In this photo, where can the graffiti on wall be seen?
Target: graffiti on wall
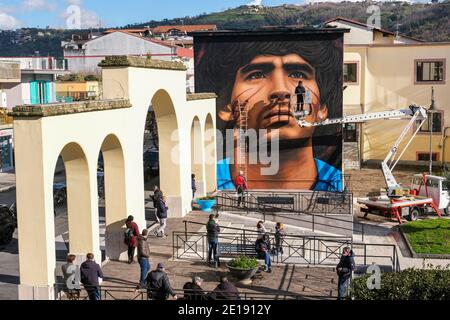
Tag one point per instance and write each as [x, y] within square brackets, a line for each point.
[263, 84]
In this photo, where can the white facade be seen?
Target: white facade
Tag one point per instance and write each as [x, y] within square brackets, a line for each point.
[86, 59]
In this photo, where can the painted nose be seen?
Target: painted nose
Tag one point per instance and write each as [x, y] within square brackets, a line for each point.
[280, 95]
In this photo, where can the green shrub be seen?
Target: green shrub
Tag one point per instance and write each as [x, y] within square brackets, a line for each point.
[244, 262]
[409, 284]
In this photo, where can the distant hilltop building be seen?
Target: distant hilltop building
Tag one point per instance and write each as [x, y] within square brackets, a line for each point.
[255, 3]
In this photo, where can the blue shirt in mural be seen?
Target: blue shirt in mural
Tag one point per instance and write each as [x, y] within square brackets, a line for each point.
[329, 178]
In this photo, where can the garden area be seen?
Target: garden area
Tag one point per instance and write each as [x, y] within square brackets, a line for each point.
[409, 284]
[431, 236]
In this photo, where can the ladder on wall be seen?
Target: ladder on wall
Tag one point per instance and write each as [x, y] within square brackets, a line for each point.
[242, 138]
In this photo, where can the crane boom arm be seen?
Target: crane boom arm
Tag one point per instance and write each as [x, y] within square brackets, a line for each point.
[417, 113]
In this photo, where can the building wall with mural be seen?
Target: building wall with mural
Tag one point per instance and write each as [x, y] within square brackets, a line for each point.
[263, 79]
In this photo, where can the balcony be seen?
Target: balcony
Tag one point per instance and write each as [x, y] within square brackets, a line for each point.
[39, 64]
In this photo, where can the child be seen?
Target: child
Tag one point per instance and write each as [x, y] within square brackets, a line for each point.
[279, 236]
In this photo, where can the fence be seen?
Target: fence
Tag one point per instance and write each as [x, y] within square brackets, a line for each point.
[323, 202]
[297, 249]
[342, 224]
[131, 293]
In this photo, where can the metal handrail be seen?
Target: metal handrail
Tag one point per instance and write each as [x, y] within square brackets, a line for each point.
[248, 235]
[313, 221]
[110, 291]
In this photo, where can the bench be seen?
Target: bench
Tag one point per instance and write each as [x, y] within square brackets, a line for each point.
[271, 201]
[236, 249]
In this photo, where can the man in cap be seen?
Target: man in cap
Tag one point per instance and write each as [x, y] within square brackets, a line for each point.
[193, 289]
[158, 284]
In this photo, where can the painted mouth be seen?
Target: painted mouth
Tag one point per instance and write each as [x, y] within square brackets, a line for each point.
[274, 113]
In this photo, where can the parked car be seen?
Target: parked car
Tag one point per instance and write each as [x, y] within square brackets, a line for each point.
[59, 194]
[8, 224]
[151, 163]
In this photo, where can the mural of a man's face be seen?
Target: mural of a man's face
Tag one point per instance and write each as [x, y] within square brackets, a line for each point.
[268, 82]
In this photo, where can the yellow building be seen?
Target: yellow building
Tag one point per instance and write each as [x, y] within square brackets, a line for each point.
[385, 71]
[67, 91]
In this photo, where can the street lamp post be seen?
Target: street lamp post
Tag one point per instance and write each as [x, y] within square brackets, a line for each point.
[431, 112]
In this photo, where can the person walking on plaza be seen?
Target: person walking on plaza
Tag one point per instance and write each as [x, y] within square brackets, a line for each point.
[261, 229]
[156, 195]
[262, 248]
[161, 212]
[300, 93]
[193, 290]
[131, 234]
[225, 290]
[90, 274]
[143, 253]
[241, 187]
[193, 186]
[213, 230]
[71, 283]
[279, 237]
[344, 270]
[158, 284]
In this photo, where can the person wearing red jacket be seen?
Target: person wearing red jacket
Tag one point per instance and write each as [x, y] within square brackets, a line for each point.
[241, 187]
[131, 234]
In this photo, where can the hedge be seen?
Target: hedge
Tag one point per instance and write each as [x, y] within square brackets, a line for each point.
[409, 284]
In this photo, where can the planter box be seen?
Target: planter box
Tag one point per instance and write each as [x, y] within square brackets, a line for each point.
[243, 275]
[206, 205]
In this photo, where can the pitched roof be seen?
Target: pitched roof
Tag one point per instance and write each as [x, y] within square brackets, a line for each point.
[369, 27]
[185, 28]
[181, 52]
[126, 30]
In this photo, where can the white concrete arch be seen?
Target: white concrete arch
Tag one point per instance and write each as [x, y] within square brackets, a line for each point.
[115, 197]
[80, 131]
[210, 136]
[198, 156]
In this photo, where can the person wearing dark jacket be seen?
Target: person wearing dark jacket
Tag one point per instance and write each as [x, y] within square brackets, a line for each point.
[213, 230]
[90, 272]
[344, 270]
[193, 186]
[157, 194]
[131, 234]
[225, 291]
[161, 213]
[262, 248]
[193, 290]
[143, 252]
[300, 93]
[158, 284]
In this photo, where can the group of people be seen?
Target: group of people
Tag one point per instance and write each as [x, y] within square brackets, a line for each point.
[132, 233]
[91, 276]
[225, 290]
[263, 246]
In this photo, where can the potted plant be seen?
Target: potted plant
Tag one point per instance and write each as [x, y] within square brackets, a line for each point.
[243, 268]
[206, 203]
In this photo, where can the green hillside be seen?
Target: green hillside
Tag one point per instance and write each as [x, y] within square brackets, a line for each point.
[429, 22]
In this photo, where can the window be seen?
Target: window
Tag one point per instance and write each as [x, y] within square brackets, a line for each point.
[430, 71]
[425, 156]
[351, 72]
[350, 132]
[437, 123]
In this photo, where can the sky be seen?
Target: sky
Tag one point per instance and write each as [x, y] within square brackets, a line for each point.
[112, 13]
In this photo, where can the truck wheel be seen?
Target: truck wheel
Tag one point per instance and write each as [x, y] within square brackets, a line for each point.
[447, 210]
[413, 214]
